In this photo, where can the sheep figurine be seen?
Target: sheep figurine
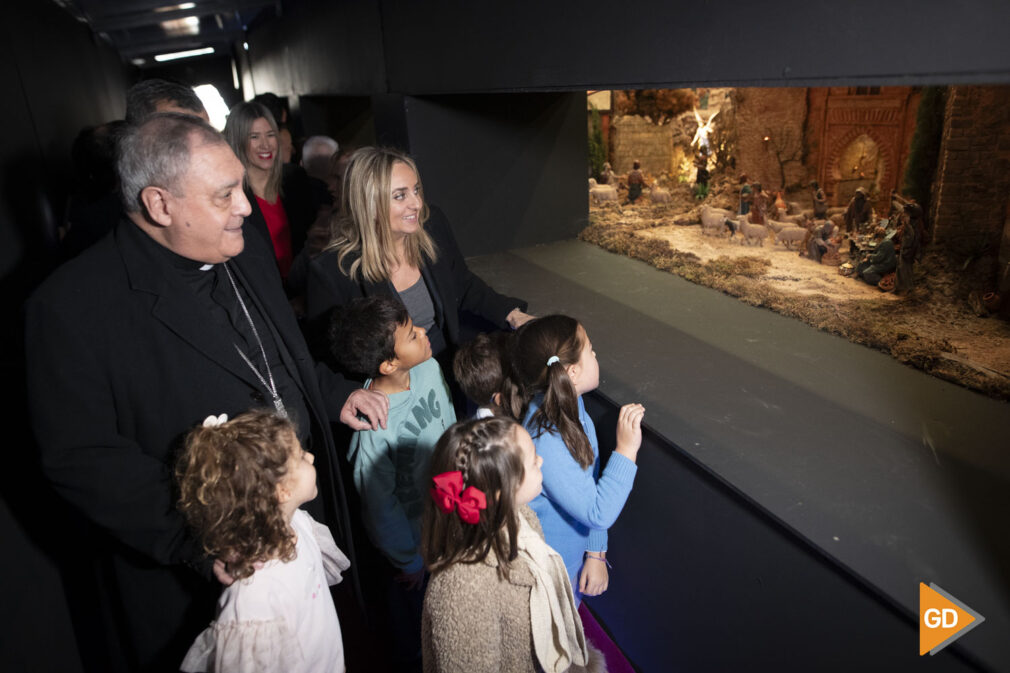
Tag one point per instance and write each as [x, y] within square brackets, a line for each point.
[776, 225]
[713, 220]
[789, 235]
[752, 232]
[659, 195]
[601, 193]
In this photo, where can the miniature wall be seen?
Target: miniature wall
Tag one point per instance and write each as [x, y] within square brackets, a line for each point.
[778, 114]
[634, 137]
[973, 178]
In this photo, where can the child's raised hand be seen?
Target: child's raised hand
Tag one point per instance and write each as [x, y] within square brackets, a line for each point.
[629, 430]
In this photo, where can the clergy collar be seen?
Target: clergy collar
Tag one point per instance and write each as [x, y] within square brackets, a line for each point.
[184, 263]
[176, 260]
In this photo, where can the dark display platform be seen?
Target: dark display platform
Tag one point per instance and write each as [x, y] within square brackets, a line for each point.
[895, 477]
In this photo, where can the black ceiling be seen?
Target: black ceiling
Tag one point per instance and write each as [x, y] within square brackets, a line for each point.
[141, 29]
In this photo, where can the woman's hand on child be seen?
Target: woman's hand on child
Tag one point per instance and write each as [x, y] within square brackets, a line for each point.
[629, 430]
[221, 573]
[594, 577]
[517, 318]
[370, 403]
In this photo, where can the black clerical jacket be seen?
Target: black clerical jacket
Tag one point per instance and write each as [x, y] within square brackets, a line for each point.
[121, 364]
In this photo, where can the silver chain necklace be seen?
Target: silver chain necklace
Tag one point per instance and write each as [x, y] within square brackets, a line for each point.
[269, 385]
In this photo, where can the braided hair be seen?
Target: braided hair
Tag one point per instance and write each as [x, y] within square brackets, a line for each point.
[487, 454]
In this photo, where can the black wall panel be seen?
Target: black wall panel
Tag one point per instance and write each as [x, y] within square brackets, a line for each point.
[56, 79]
[19, 155]
[347, 119]
[318, 47]
[508, 170]
[69, 81]
[447, 46]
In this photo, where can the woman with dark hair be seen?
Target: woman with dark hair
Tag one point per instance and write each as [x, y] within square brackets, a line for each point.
[553, 367]
[386, 240]
[283, 207]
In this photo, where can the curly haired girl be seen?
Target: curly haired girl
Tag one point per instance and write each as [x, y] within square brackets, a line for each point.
[241, 485]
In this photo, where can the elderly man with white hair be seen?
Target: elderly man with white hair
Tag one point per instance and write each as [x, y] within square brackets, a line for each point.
[316, 153]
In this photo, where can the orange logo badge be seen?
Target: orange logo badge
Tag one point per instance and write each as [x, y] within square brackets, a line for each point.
[942, 619]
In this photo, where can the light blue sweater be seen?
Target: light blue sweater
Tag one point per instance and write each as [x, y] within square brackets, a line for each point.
[578, 505]
[391, 465]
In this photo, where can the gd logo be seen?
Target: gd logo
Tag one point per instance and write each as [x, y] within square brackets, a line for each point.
[942, 619]
[933, 618]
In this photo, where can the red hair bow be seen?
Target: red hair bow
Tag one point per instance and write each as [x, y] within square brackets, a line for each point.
[448, 495]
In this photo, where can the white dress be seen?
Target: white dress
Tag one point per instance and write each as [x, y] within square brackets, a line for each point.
[282, 618]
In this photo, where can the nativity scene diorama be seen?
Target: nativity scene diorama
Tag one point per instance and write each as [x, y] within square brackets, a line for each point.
[881, 214]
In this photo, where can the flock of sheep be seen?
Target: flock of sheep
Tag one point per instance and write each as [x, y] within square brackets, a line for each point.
[787, 229]
[791, 229]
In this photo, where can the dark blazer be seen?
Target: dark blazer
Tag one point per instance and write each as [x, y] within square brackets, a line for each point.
[120, 366]
[453, 287]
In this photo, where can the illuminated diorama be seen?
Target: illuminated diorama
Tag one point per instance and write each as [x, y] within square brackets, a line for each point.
[875, 213]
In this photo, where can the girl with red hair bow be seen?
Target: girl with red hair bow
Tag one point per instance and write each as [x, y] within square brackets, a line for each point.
[499, 598]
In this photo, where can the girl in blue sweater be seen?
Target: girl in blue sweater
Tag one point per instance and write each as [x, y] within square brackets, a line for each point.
[553, 366]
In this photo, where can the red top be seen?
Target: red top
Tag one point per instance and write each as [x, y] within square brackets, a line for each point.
[280, 233]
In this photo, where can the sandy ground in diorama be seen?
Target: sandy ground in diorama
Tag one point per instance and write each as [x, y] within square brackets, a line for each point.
[956, 343]
[788, 272]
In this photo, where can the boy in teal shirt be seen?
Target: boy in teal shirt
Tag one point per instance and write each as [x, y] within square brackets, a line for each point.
[375, 337]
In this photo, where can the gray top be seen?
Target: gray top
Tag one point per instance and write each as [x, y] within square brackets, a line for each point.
[417, 299]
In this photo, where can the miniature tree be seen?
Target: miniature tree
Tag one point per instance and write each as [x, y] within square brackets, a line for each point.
[924, 151]
[787, 147]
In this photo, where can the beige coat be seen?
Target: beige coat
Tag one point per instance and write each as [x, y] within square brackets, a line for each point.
[473, 621]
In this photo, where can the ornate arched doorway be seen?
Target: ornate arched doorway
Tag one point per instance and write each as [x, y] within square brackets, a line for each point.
[860, 164]
[859, 157]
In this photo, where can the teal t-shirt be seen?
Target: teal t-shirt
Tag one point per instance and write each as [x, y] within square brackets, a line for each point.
[391, 464]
